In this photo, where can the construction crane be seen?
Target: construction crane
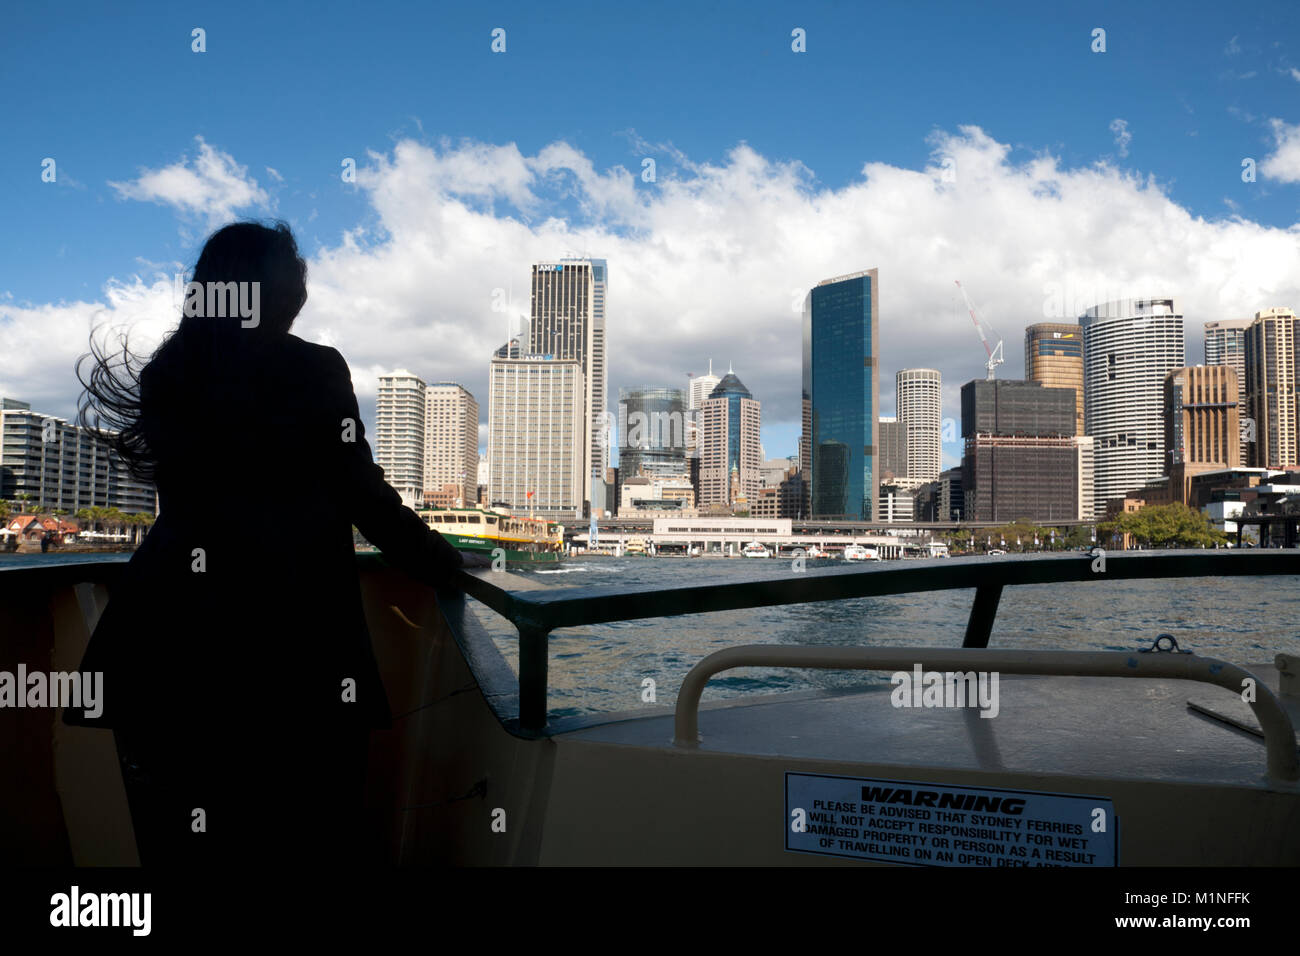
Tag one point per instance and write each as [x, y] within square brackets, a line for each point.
[994, 353]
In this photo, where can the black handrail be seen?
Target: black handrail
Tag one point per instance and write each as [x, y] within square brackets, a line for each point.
[536, 613]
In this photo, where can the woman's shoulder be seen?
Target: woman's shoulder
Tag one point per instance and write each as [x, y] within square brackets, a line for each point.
[312, 351]
[313, 362]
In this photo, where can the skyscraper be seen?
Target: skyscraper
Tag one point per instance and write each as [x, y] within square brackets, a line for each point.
[920, 408]
[730, 421]
[451, 442]
[1202, 430]
[892, 435]
[1054, 357]
[537, 436]
[841, 396]
[399, 434]
[651, 433]
[702, 386]
[1129, 347]
[1225, 344]
[1272, 380]
[568, 323]
[698, 390]
[1022, 459]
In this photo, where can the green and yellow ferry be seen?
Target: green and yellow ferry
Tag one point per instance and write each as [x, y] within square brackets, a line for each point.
[483, 530]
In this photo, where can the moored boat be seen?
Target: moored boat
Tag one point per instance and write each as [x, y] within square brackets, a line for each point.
[856, 552]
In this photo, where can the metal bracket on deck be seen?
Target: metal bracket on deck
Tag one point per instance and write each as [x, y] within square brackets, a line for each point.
[1159, 648]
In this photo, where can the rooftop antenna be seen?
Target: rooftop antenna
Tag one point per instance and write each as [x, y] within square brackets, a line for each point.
[995, 353]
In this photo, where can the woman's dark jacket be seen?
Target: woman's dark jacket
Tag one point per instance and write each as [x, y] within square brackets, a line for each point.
[242, 607]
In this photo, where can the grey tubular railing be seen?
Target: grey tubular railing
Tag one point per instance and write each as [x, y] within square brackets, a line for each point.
[536, 613]
[1279, 734]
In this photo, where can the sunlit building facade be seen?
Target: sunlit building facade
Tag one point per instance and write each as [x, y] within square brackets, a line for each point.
[1054, 358]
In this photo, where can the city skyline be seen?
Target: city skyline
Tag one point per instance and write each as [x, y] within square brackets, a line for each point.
[1036, 335]
[416, 211]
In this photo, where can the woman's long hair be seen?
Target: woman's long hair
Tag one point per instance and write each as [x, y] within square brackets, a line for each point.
[270, 282]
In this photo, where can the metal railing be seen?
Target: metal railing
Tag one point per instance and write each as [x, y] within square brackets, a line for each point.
[536, 613]
[1279, 734]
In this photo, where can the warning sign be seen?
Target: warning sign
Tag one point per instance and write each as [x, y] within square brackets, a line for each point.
[927, 824]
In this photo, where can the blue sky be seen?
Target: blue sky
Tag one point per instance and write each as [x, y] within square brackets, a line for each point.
[286, 90]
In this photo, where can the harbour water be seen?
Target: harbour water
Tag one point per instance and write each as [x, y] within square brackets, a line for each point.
[603, 667]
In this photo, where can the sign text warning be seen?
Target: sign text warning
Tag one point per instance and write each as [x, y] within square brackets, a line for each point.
[926, 824]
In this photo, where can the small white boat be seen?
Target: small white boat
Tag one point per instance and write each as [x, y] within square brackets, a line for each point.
[856, 552]
[755, 550]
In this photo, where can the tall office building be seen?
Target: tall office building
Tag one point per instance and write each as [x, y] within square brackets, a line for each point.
[1086, 465]
[941, 499]
[1272, 379]
[651, 434]
[1022, 459]
[399, 434]
[698, 390]
[450, 444]
[1129, 347]
[841, 396]
[516, 347]
[920, 408]
[537, 436]
[702, 387]
[730, 420]
[1054, 357]
[568, 323]
[1225, 344]
[1202, 428]
[892, 442]
[61, 465]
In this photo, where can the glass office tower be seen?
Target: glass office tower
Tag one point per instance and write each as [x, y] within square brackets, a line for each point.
[651, 433]
[841, 394]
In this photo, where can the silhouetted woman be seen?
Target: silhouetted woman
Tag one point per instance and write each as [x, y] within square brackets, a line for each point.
[230, 647]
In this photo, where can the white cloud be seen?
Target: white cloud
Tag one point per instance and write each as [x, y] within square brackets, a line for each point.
[1233, 48]
[709, 260]
[41, 343]
[1295, 74]
[212, 187]
[1122, 136]
[1284, 162]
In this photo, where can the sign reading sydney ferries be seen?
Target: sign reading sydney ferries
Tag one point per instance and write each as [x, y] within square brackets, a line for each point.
[928, 824]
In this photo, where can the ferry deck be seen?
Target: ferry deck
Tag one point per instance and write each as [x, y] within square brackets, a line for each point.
[1094, 758]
